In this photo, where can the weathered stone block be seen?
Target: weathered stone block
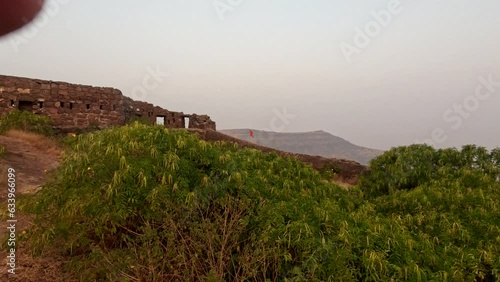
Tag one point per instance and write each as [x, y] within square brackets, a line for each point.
[23, 90]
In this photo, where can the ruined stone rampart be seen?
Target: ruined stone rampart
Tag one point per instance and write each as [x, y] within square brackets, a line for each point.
[201, 122]
[79, 107]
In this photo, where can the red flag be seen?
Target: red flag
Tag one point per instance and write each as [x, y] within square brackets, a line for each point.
[251, 134]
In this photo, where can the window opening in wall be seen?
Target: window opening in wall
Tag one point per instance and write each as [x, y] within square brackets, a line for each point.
[25, 106]
[186, 122]
[101, 107]
[40, 105]
[62, 104]
[160, 120]
[12, 103]
[71, 105]
[88, 106]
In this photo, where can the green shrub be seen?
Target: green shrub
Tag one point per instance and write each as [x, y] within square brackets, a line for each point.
[145, 203]
[27, 121]
[408, 167]
[449, 231]
[161, 204]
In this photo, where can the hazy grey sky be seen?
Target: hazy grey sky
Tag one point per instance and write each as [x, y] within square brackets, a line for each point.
[244, 61]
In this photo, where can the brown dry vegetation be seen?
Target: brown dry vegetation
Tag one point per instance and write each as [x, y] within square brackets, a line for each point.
[48, 267]
[38, 141]
[346, 184]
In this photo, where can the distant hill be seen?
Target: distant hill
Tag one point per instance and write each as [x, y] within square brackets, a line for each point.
[317, 143]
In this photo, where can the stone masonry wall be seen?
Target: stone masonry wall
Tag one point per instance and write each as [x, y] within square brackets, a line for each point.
[201, 122]
[80, 107]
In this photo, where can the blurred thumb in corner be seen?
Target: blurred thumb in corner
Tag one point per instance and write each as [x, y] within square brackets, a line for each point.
[14, 14]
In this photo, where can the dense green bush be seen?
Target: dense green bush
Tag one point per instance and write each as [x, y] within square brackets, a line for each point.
[27, 121]
[451, 231]
[408, 167]
[143, 202]
[162, 204]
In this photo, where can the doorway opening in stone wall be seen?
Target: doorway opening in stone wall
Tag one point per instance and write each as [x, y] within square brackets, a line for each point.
[160, 120]
[186, 122]
[25, 106]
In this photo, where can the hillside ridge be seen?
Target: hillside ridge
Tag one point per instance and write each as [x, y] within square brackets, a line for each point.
[315, 143]
[348, 170]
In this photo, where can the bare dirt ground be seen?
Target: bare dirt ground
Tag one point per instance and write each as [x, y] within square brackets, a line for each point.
[29, 162]
[30, 156]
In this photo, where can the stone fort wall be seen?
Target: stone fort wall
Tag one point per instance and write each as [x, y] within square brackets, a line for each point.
[79, 107]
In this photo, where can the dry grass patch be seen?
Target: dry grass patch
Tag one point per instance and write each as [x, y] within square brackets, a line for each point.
[48, 267]
[37, 140]
[342, 182]
[3, 174]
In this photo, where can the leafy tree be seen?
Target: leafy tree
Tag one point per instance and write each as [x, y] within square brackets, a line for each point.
[400, 168]
[408, 167]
